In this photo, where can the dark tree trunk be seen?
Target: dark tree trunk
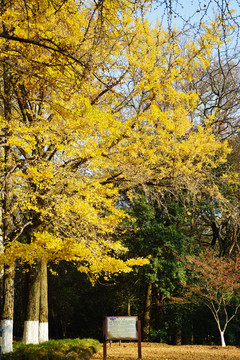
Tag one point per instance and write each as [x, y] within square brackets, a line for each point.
[159, 298]
[147, 310]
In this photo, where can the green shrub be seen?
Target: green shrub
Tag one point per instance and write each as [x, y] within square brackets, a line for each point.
[68, 349]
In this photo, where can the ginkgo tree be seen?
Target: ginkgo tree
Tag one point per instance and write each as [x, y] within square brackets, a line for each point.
[90, 107]
[52, 59]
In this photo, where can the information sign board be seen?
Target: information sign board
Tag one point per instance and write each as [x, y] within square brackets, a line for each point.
[122, 327]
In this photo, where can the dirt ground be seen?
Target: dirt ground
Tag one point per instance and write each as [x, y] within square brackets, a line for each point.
[150, 351]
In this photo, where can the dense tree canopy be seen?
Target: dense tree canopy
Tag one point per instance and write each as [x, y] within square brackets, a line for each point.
[80, 116]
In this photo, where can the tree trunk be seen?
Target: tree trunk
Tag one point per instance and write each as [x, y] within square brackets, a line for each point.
[31, 325]
[1, 251]
[1, 246]
[8, 289]
[146, 319]
[222, 339]
[179, 334]
[7, 221]
[8, 308]
[159, 299]
[43, 316]
[129, 307]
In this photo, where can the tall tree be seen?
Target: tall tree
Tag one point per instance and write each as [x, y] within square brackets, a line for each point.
[26, 76]
[91, 108]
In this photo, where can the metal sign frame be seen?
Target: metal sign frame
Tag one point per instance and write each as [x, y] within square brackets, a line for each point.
[121, 335]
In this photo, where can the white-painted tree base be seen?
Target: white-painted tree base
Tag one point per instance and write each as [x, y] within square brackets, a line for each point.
[43, 332]
[222, 339]
[7, 336]
[30, 332]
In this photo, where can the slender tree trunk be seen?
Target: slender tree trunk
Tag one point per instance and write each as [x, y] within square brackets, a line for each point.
[222, 339]
[31, 325]
[221, 332]
[190, 337]
[129, 307]
[7, 221]
[43, 316]
[9, 271]
[179, 334]
[8, 280]
[1, 244]
[159, 298]
[146, 319]
[1, 251]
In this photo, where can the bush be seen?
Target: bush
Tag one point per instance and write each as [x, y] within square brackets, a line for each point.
[69, 349]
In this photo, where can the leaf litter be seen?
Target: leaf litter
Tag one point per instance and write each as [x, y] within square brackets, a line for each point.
[157, 351]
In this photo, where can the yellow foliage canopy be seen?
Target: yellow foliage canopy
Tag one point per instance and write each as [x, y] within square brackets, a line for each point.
[96, 106]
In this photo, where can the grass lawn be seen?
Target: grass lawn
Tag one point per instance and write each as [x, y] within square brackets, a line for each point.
[67, 349]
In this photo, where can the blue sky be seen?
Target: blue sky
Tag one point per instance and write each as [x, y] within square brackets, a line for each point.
[190, 11]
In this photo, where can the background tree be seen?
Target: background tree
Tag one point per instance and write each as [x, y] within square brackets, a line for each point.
[215, 281]
[155, 230]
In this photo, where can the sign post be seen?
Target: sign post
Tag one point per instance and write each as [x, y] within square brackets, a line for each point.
[121, 328]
